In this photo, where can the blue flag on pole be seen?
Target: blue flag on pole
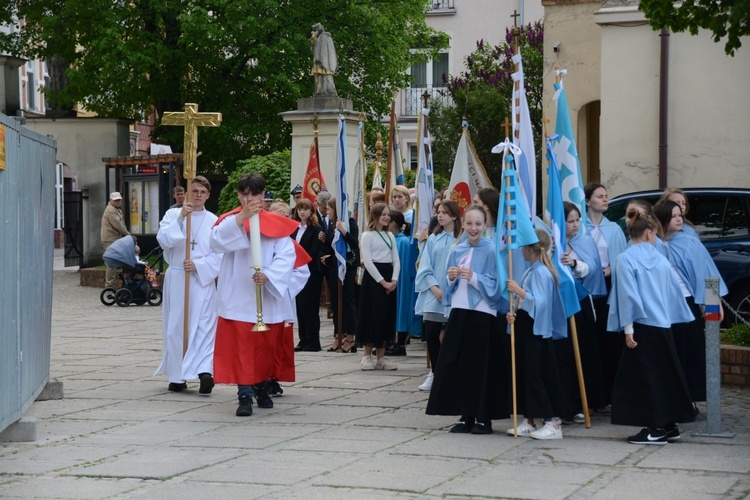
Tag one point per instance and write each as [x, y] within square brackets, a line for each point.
[342, 200]
[514, 227]
[571, 290]
[567, 156]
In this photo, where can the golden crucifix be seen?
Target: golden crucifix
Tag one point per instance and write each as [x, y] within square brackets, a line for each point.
[191, 120]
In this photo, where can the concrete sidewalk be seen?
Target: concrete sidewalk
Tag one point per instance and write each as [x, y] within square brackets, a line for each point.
[338, 432]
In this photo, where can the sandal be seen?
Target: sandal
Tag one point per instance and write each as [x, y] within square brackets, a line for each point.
[336, 347]
[352, 347]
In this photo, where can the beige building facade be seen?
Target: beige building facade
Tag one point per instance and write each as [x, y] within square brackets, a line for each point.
[613, 60]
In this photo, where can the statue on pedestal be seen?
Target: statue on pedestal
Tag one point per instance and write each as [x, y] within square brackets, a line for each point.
[324, 62]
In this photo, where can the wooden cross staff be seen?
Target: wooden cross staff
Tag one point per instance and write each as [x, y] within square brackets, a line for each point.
[191, 120]
[506, 125]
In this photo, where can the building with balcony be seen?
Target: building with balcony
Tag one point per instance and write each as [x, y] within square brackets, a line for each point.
[466, 22]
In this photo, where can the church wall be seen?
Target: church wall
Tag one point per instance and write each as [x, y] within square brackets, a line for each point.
[708, 108]
[572, 26]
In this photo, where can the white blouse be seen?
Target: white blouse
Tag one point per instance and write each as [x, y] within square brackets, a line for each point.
[374, 249]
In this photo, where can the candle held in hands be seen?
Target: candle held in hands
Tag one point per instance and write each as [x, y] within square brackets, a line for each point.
[255, 241]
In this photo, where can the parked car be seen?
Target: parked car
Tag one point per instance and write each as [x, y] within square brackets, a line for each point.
[722, 220]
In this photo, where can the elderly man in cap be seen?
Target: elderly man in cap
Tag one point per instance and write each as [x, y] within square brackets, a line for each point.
[113, 228]
[267, 200]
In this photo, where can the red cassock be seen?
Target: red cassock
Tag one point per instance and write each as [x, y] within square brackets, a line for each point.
[245, 357]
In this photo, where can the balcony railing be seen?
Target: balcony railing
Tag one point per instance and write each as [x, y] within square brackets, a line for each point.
[441, 5]
[412, 98]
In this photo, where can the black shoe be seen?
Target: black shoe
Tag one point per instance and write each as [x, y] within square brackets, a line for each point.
[482, 428]
[274, 389]
[462, 427]
[673, 434]
[298, 348]
[649, 436]
[311, 349]
[245, 409]
[396, 350]
[207, 383]
[261, 392]
[177, 387]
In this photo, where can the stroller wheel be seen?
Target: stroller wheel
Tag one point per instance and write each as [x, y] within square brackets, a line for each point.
[123, 297]
[108, 296]
[154, 297]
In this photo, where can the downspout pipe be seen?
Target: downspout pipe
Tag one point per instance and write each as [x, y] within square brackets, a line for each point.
[663, 107]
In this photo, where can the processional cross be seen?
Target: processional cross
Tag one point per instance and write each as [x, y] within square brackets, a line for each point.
[191, 120]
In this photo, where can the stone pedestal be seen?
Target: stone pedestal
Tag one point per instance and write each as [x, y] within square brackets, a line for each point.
[328, 110]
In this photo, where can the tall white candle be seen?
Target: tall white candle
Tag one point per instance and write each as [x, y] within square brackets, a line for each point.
[255, 241]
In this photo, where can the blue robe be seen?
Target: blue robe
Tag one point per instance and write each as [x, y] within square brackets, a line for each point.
[645, 290]
[543, 302]
[405, 288]
[484, 266]
[613, 235]
[694, 264]
[585, 247]
[433, 267]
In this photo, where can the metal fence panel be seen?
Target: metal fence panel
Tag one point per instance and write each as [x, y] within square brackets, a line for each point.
[26, 254]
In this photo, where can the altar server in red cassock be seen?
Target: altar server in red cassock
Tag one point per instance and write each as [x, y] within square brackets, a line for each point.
[242, 356]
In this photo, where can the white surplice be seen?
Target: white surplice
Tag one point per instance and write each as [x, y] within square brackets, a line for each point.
[236, 294]
[202, 308]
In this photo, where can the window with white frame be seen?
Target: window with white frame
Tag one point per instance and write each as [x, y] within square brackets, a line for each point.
[30, 86]
[426, 76]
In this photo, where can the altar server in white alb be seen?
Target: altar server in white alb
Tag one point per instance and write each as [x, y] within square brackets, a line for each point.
[203, 267]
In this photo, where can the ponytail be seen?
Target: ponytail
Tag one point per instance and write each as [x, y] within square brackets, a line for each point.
[541, 248]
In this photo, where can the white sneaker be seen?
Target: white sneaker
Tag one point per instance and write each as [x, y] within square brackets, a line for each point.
[427, 385]
[384, 364]
[579, 418]
[524, 429]
[367, 363]
[549, 431]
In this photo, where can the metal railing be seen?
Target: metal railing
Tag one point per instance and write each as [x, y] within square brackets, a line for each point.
[411, 98]
[27, 202]
[441, 5]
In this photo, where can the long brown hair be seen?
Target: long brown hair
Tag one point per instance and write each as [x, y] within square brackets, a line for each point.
[305, 203]
[375, 212]
[452, 208]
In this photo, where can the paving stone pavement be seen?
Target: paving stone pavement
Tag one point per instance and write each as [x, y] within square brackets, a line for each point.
[337, 432]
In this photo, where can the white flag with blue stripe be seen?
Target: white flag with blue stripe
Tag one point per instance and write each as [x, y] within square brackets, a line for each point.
[523, 137]
[342, 200]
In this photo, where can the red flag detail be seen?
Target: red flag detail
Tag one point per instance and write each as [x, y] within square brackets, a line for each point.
[314, 182]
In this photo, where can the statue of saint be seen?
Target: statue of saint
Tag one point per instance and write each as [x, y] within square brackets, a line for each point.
[324, 61]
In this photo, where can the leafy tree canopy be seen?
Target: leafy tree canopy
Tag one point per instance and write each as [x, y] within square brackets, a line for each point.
[249, 60]
[728, 20]
[482, 93]
[275, 168]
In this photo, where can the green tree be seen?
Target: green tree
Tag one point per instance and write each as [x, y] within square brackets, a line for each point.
[482, 93]
[275, 168]
[249, 60]
[724, 19]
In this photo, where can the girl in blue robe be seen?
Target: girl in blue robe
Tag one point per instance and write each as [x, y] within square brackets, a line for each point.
[583, 258]
[650, 388]
[678, 196]
[693, 264]
[610, 241]
[468, 380]
[433, 267]
[405, 291]
[539, 318]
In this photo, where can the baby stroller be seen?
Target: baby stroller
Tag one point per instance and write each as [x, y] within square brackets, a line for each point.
[138, 281]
